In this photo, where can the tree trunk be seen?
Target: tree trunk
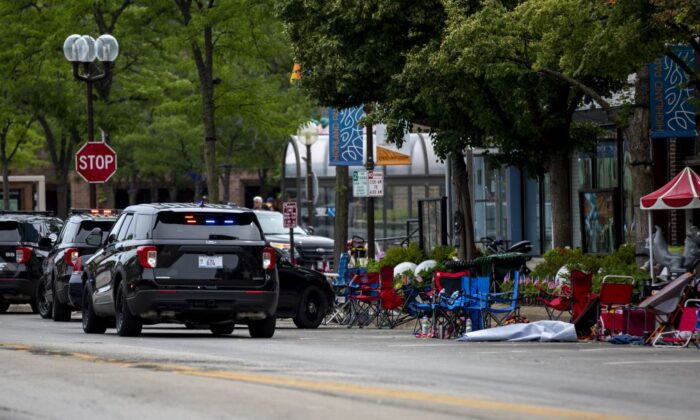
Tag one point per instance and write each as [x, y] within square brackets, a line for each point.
[466, 250]
[62, 195]
[641, 170]
[5, 185]
[341, 212]
[205, 69]
[226, 183]
[561, 206]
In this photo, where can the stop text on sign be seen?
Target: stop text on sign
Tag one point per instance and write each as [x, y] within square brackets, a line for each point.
[96, 162]
[93, 162]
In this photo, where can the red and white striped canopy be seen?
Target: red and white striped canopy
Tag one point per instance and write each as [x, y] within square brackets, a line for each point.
[682, 192]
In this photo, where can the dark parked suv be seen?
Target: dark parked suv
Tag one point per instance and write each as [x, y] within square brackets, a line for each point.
[62, 292]
[181, 263]
[25, 239]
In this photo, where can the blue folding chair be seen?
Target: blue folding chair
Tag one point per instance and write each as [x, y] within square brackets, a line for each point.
[341, 305]
[506, 304]
[476, 301]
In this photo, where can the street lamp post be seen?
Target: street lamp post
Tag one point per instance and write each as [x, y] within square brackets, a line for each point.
[84, 49]
[307, 136]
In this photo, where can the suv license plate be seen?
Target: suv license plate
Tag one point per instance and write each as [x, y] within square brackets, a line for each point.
[207, 261]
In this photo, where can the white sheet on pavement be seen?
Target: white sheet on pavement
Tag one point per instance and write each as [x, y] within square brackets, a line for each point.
[535, 331]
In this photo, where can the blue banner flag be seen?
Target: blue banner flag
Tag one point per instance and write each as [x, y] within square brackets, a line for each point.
[345, 141]
[672, 113]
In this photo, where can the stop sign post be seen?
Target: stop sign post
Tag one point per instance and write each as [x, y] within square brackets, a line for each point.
[96, 162]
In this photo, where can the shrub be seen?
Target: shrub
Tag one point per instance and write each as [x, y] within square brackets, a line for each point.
[620, 262]
[395, 255]
[442, 253]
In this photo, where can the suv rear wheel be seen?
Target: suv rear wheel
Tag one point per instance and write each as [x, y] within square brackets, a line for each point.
[92, 324]
[4, 306]
[312, 308]
[42, 302]
[222, 329]
[60, 311]
[264, 328]
[128, 325]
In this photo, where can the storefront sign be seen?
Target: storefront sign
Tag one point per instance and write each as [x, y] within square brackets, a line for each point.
[345, 140]
[672, 114]
[360, 184]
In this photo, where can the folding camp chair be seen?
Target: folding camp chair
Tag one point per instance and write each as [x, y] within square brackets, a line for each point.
[476, 302]
[667, 304]
[391, 302]
[499, 306]
[573, 299]
[686, 329]
[449, 315]
[365, 299]
[341, 306]
[614, 301]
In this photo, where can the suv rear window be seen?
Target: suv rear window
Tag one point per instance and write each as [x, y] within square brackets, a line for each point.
[185, 225]
[88, 225]
[9, 232]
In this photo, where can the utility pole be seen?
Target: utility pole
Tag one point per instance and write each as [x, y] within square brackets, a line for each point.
[370, 200]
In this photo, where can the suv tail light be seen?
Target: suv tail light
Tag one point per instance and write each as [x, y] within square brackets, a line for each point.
[78, 265]
[71, 256]
[268, 258]
[23, 254]
[148, 256]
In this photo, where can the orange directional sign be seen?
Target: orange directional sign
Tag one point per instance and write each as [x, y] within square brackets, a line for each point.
[391, 157]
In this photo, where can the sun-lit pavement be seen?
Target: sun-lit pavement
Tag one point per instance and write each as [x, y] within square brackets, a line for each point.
[54, 370]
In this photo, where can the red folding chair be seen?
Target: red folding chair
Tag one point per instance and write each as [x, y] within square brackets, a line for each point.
[686, 328]
[615, 300]
[391, 302]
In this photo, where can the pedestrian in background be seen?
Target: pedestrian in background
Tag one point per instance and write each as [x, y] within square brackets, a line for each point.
[258, 203]
[270, 204]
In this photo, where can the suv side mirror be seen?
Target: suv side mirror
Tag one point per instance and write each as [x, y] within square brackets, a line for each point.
[310, 229]
[45, 242]
[94, 238]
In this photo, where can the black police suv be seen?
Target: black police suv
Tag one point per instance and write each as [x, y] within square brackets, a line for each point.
[25, 238]
[305, 295]
[182, 263]
[61, 291]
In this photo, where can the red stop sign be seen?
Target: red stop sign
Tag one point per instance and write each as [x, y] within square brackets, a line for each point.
[96, 162]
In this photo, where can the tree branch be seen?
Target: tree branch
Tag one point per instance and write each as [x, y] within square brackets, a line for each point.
[612, 114]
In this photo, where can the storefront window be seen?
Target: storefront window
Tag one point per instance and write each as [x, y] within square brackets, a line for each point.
[490, 203]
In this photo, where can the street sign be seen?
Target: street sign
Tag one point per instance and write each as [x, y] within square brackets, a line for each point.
[289, 213]
[375, 184]
[359, 183]
[96, 162]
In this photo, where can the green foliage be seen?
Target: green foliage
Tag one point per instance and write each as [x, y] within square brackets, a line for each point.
[621, 262]
[372, 266]
[397, 254]
[442, 253]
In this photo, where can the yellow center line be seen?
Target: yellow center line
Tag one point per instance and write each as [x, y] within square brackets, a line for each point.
[328, 386]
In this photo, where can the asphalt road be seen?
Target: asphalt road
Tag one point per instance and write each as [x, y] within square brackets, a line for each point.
[55, 371]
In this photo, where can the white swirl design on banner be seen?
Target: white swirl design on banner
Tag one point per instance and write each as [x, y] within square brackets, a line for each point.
[679, 112]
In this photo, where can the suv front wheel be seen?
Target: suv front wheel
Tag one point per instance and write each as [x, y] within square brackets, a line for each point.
[128, 325]
[264, 328]
[42, 302]
[92, 324]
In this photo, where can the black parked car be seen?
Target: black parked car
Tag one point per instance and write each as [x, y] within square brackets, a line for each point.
[181, 263]
[305, 295]
[60, 297]
[314, 251]
[25, 238]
